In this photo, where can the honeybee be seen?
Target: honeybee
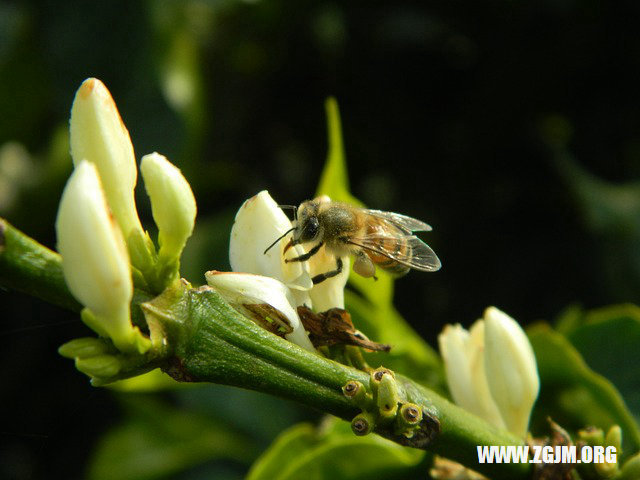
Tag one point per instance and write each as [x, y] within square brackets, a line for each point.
[373, 237]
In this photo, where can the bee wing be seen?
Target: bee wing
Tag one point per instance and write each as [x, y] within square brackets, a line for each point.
[402, 222]
[418, 255]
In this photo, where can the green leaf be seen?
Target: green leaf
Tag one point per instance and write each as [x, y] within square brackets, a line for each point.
[334, 180]
[258, 414]
[288, 445]
[611, 214]
[378, 292]
[574, 395]
[333, 451]
[569, 319]
[608, 339]
[630, 470]
[158, 441]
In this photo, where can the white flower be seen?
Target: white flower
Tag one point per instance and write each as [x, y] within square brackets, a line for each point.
[99, 136]
[258, 223]
[242, 289]
[172, 204]
[491, 370]
[95, 262]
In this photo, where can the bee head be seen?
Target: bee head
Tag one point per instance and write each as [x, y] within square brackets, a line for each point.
[307, 223]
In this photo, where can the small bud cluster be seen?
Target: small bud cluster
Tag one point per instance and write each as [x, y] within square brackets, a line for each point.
[105, 251]
[382, 406]
[93, 356]
[593, 436]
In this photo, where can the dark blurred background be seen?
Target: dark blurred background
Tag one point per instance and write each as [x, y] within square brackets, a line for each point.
[513, 128]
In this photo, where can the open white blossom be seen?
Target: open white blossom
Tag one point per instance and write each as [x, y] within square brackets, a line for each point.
[95, 262]
[491, 370]
[244, 288]
[258, 223]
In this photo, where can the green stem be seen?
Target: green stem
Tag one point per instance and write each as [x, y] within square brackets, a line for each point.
[214, 343]
[29, 267]
[210, 342]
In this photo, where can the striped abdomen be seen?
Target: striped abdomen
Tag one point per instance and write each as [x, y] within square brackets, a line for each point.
[389, 243]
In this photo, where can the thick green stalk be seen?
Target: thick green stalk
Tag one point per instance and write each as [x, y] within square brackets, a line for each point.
[29, 267]
[214, 343]
[209, 341]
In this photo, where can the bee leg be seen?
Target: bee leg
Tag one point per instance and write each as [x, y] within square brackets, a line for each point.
[305, 256]
[332, 273]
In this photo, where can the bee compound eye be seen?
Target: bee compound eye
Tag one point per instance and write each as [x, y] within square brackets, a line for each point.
[311, 228]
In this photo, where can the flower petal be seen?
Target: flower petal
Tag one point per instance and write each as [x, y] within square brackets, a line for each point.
[462, 352]
[246, 288]
[329, 293]
[258, 223]
[511, 369]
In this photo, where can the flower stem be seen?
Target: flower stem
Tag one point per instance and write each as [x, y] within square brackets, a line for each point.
[29, 267]
[214, 343]
[209, 341]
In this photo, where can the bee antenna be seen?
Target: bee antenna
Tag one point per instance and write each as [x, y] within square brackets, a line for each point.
[279, 238]
[290, 207]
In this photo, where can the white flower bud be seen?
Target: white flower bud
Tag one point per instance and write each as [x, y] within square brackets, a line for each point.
[258, 223]
[95, 262]
[491, 370]
[511, 368]
[462, 352]
[172, 204]
[246, 288]
[99, 136]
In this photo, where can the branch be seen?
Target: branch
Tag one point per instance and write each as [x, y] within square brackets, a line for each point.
[214, 343]
[208, 341]
[30, 267]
